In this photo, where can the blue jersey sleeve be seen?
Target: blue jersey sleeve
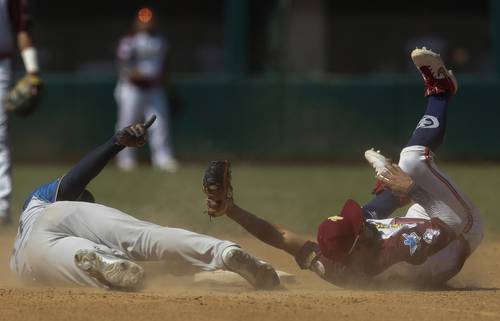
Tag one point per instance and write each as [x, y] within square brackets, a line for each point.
[46, 192]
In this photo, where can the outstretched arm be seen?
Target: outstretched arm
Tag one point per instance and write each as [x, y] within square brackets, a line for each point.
[217, 186]
[303, 250]
[76, 180]
[267, 232]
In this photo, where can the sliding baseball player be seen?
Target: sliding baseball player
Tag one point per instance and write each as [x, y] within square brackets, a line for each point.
[64, 237]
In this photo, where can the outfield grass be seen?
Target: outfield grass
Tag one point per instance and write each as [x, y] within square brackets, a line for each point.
[295, 196]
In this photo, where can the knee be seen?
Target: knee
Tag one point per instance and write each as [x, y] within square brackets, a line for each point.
[412, 164]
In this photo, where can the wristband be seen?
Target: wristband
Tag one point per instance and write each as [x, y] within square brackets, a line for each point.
[30, 60]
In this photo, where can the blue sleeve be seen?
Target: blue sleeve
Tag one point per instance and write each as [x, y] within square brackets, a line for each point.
[46, 192]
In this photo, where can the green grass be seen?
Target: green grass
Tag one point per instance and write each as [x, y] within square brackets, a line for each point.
[294, 196]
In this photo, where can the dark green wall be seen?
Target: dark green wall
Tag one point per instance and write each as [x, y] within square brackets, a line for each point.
[267, 118]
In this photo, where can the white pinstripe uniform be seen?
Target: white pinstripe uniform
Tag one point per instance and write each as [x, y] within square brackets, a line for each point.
[144, 53]
[8, 26]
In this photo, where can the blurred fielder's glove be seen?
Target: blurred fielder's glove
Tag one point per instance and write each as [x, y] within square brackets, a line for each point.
[134, 135]
[217, 186]
[25, 96]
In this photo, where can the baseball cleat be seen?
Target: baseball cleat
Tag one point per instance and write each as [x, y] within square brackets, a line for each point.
[110, 270]
[437, 78]
[258, 273]
[126, 165]
[378, 161]
[170, 166]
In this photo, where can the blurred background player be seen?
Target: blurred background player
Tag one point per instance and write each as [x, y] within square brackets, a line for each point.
[14, 27]
[140, 93]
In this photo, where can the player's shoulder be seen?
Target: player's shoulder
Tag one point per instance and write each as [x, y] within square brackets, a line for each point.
[45, 193]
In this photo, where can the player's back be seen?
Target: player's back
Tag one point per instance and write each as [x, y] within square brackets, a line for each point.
[33, 207]
[418, 250]
[410, 250]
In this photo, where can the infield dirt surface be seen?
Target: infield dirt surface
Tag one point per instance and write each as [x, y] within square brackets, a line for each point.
[297, 197]
[474, 295]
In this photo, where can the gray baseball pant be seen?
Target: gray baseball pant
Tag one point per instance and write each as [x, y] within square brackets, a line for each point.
[66, 227]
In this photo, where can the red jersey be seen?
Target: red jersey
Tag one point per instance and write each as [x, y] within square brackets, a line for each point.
[401, 240]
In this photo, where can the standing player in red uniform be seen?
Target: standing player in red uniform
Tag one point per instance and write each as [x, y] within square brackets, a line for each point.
[14, 28]
[429, 245]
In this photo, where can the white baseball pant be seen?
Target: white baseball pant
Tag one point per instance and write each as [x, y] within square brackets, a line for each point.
[136, 104]
[5, 179]
[66, 227]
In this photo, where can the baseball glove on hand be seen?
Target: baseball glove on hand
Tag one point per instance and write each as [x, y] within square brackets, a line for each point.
[25, 96]
[134, 135]
[217, 186]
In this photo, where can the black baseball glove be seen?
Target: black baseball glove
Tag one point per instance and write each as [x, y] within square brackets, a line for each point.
[134, 135]
[23, 99]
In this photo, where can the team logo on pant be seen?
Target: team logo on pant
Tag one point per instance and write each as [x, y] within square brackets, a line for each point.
[428, 121]
[413, 241]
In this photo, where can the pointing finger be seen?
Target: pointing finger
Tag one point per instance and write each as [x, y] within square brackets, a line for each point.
[139, 129]
[133, 131]
[150, 121]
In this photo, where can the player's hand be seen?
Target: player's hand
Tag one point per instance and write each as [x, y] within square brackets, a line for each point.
[134, 135]
[396, 180]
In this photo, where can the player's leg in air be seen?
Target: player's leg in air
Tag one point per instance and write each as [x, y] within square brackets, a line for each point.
[65, 238]
[429, 132]
[417, 160]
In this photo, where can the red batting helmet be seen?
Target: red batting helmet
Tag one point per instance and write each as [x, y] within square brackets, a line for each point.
[337, 235]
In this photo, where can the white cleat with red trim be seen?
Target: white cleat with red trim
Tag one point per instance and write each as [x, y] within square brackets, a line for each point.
[378, 161]
[437, 78]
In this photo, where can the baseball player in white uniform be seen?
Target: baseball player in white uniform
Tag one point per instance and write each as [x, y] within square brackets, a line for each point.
[140, 92]
[14, 27]
[66, 238]
[428, 246]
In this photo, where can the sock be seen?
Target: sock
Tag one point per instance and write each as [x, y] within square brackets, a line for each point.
[381, 206]
[431, 128]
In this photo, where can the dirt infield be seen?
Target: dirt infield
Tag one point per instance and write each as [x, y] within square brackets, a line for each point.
[475, 296]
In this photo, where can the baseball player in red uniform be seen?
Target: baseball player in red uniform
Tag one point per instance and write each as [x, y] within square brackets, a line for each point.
[428, 246]
[14, 28]
[140, 92]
